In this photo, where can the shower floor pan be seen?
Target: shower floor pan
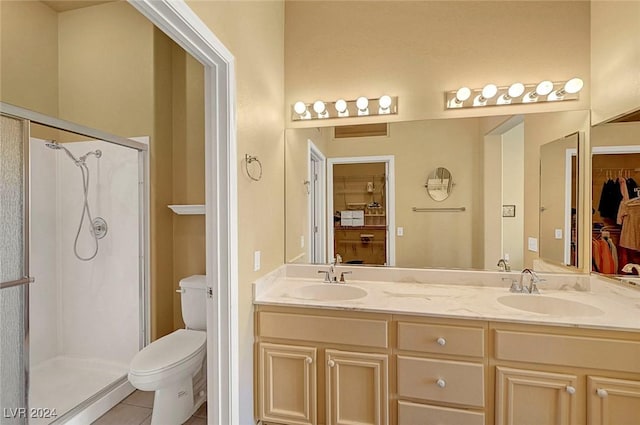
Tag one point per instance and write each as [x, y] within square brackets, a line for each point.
[62, 383]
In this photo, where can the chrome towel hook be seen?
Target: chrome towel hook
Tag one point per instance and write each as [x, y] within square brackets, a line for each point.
[248, 159]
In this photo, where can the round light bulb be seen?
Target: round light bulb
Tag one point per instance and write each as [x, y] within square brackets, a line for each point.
[544, 88]
[300, 108]
[463, 93]
[341, 105]
[362, 103]
[319, 106]
[489, 91]
[573, 86]
[385, 102]
[516, 90]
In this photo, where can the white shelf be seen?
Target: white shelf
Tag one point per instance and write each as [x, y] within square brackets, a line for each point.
[188, 209]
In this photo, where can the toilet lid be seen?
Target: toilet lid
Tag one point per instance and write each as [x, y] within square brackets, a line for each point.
[168, 351]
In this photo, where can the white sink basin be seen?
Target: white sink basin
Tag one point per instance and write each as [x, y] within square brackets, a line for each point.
[549, 305]
[329, 292]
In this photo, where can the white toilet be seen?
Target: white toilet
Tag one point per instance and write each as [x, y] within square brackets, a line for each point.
[174, 365]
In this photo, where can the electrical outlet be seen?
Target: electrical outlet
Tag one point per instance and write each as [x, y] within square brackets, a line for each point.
[400, 231]
[533, 244]
[256, 261]
[558, 233]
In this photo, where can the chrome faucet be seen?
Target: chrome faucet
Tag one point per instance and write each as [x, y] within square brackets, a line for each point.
[504, 265]
[533, 281]
[330, 275]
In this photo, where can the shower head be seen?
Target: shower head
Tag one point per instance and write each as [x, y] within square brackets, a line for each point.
[57, 146]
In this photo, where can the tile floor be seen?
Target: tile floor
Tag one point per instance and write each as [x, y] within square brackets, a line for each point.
[136, 410]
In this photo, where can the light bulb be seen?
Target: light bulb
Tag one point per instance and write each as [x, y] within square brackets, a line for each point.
[573, 86]
[341, 106]
[544, 88]
[319, 107]
[489, 91]
[300, 108]
[463, 94]
[516, 90]
[362, 103]
[385, 102]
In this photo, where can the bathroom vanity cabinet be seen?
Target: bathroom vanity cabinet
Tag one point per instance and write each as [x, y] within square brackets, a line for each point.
[320, 366]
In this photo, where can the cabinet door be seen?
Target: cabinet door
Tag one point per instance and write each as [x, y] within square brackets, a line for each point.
[287, 384]
[526, 397]
[357, 388]
[613, 401]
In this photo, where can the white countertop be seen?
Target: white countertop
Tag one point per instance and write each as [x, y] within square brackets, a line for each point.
[467, 295]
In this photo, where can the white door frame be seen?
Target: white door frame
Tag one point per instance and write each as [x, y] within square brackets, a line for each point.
[318, 192]
[182, 25]
[390, 197]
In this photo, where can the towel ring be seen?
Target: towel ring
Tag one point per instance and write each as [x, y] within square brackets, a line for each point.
[248, 159]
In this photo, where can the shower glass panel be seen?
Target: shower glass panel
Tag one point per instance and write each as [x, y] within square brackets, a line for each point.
[13, 270]
[86, 321]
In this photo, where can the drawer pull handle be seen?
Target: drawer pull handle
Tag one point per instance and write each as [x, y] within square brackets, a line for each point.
[602, 393]
[308, 360]
[441, 341]
[571, 389]
[331, 363]
[441, 383]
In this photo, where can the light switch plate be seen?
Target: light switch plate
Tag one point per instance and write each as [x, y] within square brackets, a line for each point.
[533, 244]
[558, 233]
[256, 261]
[400, 231]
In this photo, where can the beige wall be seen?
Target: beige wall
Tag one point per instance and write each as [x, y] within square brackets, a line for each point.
[615, 58]
[254, 33]
[29, 56]
[419, 50]
[513, 194]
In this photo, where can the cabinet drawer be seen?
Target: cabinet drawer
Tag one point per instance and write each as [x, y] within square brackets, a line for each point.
[333, 330]
[441, 380]
[423, 414]
[566, 350]
[441, 339]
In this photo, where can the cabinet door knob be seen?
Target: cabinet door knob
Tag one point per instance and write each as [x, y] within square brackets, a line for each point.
[331, 363]
[308, 360]
[441, 341]
[602, 393]
[571, 389]
[441, 383]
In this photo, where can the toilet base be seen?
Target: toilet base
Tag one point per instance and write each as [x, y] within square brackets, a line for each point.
[173, 405]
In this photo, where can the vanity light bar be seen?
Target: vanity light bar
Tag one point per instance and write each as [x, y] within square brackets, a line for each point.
[341, 108]
[516, 93]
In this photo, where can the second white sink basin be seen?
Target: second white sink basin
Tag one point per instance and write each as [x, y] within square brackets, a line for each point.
[549, 305]
[329, 292]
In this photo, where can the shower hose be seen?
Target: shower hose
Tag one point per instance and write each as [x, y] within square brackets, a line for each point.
[85, 211]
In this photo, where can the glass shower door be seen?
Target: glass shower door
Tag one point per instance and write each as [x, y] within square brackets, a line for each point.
[13, 270]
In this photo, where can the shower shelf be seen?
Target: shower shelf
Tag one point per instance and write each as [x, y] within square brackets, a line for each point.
[188, 209]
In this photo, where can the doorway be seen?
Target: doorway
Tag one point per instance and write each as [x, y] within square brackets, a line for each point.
[361, 210]
[316, 184]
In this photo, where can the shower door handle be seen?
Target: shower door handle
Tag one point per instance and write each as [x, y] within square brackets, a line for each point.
[23, 281]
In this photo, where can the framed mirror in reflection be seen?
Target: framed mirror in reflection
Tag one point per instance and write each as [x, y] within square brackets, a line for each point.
[495, 161]
[615, 175]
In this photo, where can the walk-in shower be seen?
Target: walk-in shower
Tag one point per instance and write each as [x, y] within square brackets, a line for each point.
[98, 226]
[75, 304]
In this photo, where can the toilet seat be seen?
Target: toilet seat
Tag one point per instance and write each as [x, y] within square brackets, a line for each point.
[168, 358]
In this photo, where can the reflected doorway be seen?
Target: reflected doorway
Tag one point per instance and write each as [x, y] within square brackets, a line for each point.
[360, 210]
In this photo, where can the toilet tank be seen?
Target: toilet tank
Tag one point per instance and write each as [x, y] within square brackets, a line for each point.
[194, 302]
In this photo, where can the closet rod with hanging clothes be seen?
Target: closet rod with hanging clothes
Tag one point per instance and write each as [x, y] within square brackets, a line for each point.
[453, 209]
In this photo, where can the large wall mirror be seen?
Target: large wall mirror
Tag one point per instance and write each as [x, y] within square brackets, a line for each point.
[485, 217]
[615, 175]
